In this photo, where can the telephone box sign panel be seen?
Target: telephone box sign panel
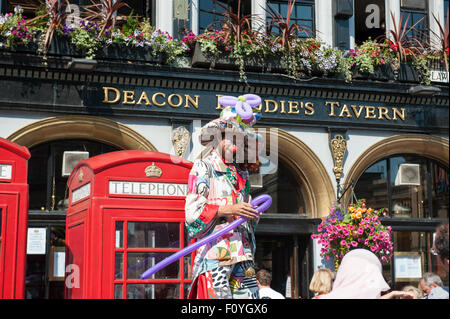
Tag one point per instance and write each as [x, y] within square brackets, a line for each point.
[82, 192]
[5, 171]
[147, 188]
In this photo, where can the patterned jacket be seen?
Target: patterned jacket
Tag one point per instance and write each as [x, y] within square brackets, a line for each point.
[209, 187]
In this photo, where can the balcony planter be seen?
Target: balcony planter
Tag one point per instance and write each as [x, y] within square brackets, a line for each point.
[30, 47]
[381, 72]
[115, 51]
[221, 61]
[407, 73]
[275, 64]
[61, 45]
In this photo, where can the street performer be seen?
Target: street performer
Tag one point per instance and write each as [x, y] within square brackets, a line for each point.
[218, 193]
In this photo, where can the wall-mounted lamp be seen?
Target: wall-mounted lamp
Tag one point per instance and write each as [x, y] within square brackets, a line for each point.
[423, 90]
[84, 65]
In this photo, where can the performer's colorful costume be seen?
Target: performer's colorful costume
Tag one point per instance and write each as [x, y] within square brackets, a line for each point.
[223, 268]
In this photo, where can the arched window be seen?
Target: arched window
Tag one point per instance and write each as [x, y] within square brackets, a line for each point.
[286, 195]
[415, 189]
[409, 185]
[47, 183]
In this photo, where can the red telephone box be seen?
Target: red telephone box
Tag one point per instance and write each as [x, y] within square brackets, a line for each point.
[125, 214]
[13, 218]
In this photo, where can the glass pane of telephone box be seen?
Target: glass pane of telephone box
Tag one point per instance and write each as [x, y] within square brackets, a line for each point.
[153, 291]
[153, 235]
[138, 263]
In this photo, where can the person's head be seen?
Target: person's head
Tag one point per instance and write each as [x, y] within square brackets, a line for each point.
[440, 245]
[322, 281]
[359, 276]
[417, 293]
[430, 281]
[232, 133]
[263, 278]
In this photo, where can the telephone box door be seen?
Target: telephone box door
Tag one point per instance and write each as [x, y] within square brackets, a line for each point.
[133, 244]
[13, 218]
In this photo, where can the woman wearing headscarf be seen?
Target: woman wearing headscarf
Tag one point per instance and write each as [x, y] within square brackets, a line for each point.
[218, 193]
[359, 276]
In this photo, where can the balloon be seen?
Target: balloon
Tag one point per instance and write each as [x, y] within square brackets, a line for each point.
[227, 100]
[264, 202]
[244, 110]
[253, 100]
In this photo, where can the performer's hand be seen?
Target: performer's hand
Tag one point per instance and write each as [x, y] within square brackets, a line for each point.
[241, 209]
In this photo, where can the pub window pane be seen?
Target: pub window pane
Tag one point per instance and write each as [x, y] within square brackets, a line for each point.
[48, 188]
[181, 21]
[440, 190]
[406, 245]
[286, 195]
[302, 14]
[138, 263]
[372, 185]
[210, 13]
[409, 187]
[370, 20]
[153, 291]
[416, 10]
[153, 235]
[418, 187]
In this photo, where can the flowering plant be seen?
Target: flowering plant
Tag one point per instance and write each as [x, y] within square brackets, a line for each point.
[14, 29]
[356, 227]
[370, 54]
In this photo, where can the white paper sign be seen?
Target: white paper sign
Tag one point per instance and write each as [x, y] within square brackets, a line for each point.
[408, 266]
[36, 241]
[82, 192]
[439, 76]
[5, 171]
[59, 262]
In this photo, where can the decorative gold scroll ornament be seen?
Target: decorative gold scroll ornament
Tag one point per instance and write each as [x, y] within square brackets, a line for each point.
[180, 140]
[338, 147]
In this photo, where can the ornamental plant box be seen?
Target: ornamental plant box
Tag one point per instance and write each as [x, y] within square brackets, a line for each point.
[116, 51]
[407, 73]
[383, 72]
[30, 47]
[223, 61]
[62, 45]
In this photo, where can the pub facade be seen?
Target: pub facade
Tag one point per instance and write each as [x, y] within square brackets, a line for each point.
[326, 138]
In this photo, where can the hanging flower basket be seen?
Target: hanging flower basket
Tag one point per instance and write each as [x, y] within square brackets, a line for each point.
[356, 227]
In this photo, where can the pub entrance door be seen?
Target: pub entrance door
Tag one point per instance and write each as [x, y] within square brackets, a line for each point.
[289, 259]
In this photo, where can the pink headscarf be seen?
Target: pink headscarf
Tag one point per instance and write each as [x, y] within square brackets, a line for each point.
[359, 276]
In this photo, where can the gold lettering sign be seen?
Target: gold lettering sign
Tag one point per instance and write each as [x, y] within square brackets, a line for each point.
[292, 107]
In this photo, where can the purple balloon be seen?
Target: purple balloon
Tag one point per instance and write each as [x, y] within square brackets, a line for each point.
[244, 110]
[228, 100]
[252, 99]
[264, 202]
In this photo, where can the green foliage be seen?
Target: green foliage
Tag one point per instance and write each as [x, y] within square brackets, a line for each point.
[131, 24]
[85, 41]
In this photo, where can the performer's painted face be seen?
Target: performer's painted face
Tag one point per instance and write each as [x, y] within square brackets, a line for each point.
[239, 149]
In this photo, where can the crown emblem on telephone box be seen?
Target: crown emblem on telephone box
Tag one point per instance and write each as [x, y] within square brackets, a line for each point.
[153, 171]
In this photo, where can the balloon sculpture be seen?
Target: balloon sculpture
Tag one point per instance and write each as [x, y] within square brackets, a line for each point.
[264, 202]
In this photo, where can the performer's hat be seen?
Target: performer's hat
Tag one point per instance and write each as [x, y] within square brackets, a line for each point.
[237, 117]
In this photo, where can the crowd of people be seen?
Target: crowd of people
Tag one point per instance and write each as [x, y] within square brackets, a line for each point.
[360, 276]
